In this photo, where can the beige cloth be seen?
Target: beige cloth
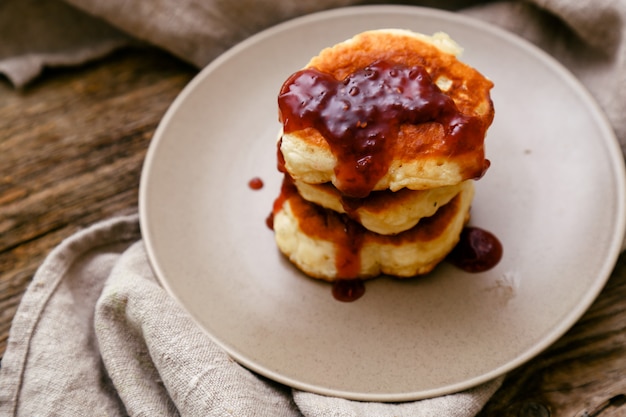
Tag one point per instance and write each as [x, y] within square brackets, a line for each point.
[94, 333]
[39, 33]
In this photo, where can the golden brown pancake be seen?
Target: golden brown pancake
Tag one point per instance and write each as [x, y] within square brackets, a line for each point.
[419, 155]
[327, 245]
[384, 212]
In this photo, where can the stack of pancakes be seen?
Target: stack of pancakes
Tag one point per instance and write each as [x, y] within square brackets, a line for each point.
[382, 139]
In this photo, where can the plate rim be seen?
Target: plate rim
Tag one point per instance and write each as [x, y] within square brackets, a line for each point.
[609, 140]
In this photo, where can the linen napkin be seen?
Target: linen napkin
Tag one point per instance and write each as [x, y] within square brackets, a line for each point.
[96, 335]
[39, 33]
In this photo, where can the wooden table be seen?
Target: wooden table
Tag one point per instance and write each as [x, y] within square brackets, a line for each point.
[71, 150]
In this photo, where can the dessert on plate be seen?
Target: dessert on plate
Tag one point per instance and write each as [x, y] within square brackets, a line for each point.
[382, 139]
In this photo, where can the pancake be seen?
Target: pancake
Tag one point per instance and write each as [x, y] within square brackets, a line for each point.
[387, 109]
[329, 246]
[384, 212]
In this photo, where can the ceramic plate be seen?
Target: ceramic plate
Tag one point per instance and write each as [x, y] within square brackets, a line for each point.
[554, 195]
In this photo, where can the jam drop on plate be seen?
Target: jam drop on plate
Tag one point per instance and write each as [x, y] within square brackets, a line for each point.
[348, 290]
[478, 250]
[255, 183]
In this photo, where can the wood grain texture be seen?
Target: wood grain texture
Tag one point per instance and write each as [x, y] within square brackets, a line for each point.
[71, 150]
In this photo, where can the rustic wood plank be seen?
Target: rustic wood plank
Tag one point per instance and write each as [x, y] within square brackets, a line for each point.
[71, 150]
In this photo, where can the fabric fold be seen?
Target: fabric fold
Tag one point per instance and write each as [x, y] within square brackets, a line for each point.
[159, 360]
[96, 334]
[50, 33]
[52, 364]
[586, 37]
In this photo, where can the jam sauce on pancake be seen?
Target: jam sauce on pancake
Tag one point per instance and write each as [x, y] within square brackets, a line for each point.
[348, 235]
[376, 119]
[361, 115]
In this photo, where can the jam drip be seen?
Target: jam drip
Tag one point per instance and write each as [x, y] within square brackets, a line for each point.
[287, 189]
[347, 234]
[255, 183]
[360, 117]
[348, 290]
[478, 250]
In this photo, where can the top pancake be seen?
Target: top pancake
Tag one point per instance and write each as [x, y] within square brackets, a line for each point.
[422, 155]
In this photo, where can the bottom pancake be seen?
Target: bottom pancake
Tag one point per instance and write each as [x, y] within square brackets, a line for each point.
[330, 246]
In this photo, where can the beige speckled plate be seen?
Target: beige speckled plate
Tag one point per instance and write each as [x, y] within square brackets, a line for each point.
[554, 195]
